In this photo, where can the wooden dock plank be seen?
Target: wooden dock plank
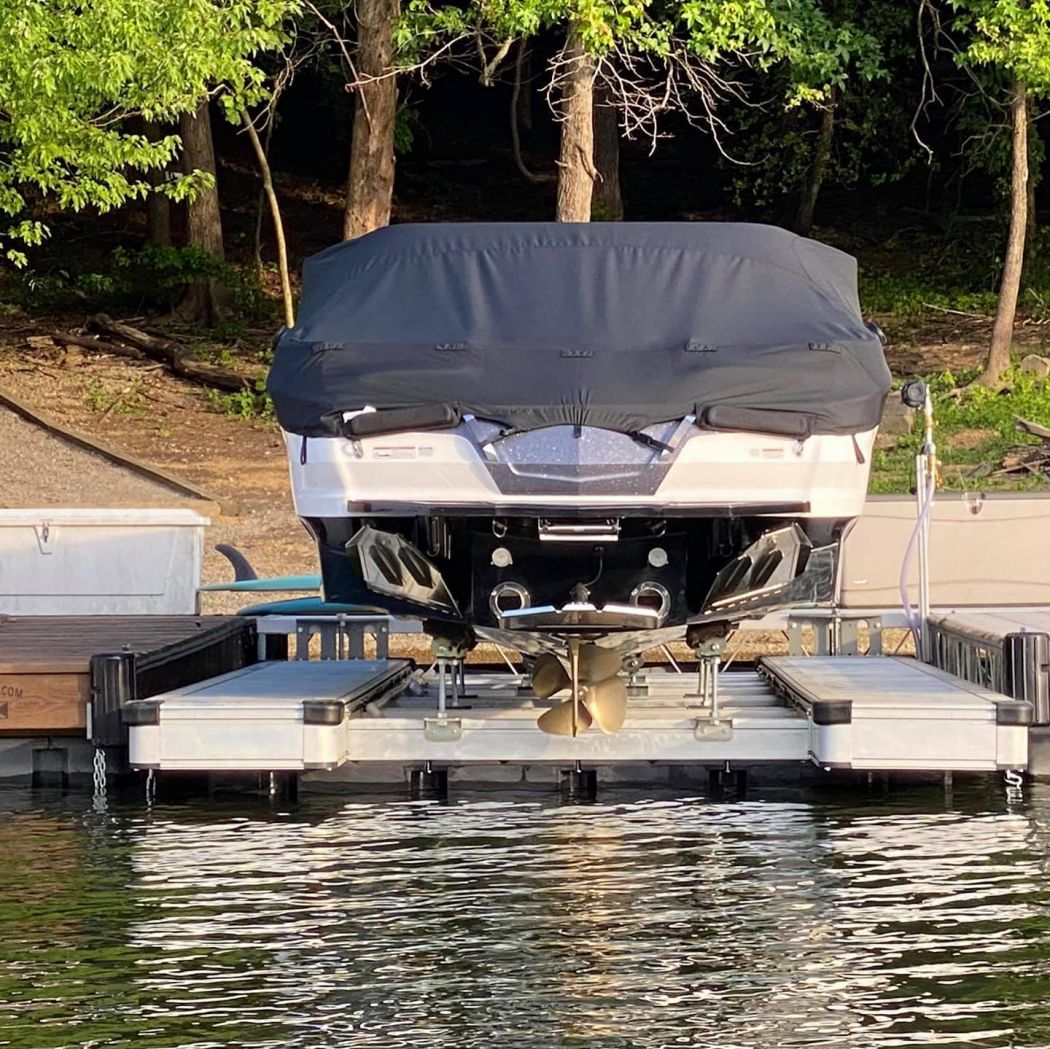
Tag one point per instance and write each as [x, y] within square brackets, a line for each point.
[45, 663]
[49, 703]
[65, 644]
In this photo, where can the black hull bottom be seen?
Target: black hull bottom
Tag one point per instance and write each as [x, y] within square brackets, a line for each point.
[465, 571]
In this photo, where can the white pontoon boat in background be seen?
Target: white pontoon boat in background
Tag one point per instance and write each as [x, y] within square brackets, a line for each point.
[528, 432]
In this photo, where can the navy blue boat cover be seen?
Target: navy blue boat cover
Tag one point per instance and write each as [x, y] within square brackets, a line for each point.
[616, 325]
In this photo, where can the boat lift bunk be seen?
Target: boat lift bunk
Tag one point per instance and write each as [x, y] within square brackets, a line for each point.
[881, 714]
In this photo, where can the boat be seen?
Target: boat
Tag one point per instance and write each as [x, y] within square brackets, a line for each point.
[536, 432]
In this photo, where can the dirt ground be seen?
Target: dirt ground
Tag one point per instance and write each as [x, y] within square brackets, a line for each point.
[40, 469]
[152, 416]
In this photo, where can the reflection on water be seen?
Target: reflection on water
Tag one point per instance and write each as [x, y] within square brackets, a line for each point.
[655, 922]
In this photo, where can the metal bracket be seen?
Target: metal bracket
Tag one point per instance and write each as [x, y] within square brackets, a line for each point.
[442, 730]
[708, 730]
[42, 532]
[606, 530]
[681, 430]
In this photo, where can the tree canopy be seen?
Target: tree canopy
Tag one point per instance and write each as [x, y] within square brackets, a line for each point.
[73, 75]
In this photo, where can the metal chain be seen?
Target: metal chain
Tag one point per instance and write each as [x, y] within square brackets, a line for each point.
[99, 778]
[1014, 786]
[151, 788]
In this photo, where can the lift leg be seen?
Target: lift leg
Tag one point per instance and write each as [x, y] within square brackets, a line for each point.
[579, 786]
[727, 782]
[283, 786]
[429, 783]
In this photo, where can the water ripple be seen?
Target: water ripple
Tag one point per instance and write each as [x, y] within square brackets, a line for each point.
[642, 923]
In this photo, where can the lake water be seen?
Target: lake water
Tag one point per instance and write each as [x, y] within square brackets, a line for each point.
[790, 919]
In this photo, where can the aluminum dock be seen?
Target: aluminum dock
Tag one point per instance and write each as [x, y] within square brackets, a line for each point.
[364, 720]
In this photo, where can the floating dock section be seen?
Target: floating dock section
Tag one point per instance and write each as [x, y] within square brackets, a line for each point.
[1007, 650]
[834, 713]
[65, 679]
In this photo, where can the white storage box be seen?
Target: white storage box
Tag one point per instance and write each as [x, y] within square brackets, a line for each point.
[100, 562]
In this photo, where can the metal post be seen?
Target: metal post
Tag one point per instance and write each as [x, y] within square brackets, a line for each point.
[99, 776]
[428, 783]
[926, 483]
[574, 677]
[579, 786]
[922, 481]
[712, 662]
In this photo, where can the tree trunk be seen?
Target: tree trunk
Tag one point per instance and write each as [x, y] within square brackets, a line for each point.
[278, 224]
[1035, 170]
[1003, 329]
[807, 206]
[370, 185]
[576, 172]
[205, 301]
[158, 207]
[257, 246]
[607, 204]
[515, 117]
[523, 78]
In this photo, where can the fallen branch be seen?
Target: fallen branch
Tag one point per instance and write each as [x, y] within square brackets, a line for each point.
[86, 342]
[957, 313]
[178, 358]
[1033, 428]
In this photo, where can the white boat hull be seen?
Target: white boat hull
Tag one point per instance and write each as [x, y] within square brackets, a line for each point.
[507, 544]
[336, 476]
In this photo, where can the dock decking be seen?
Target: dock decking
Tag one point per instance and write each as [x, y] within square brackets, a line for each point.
[46, 662]
[852, 713]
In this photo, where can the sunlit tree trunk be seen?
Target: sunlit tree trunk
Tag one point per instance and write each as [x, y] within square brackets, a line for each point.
[1003, 329]
[205, 300]
[807, 206]
[607, 203]
[370, 185]
[576, 174]
[275, 213]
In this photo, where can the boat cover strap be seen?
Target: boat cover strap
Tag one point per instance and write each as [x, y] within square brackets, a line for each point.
[398, 420]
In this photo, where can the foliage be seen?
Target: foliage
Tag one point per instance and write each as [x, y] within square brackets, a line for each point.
[771, 153]
[406, 127]
[953, 270]
[243, 404]
[147, 278]
[974, 427]
[73, 74]
[660, 55]
[1011, 37]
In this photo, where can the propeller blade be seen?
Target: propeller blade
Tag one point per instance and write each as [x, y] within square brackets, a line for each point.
[606, 701]
[549, 676]
[558, 721]
[597, 663]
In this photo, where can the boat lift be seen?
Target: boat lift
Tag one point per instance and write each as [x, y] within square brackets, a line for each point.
[360, 719]
[966, 704]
